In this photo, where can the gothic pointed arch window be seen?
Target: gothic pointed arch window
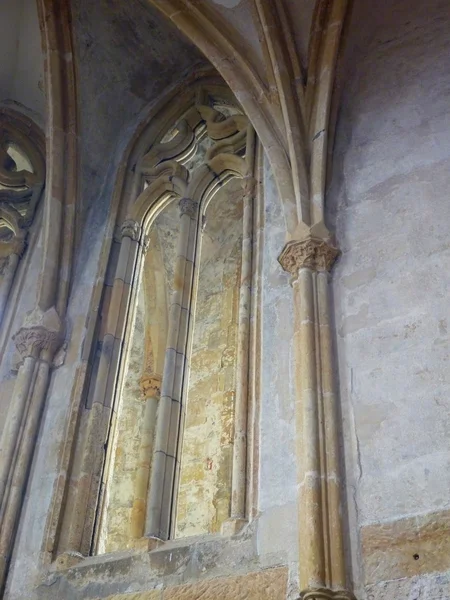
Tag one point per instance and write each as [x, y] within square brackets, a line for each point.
[163, 442]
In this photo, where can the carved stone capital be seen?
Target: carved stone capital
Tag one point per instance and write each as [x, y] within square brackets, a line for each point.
[30, 341]
[151, 386]
[41, 331]
[188, 207]
[131, 229]
[312, 253]
[326, 594]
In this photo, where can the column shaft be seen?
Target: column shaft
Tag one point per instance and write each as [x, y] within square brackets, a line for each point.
[312, 568]
[159, 507]
[333, 479]
[36, 343]
[14, 420]
[145, 457]
[16, 490]
[321, 546]
[239, 472]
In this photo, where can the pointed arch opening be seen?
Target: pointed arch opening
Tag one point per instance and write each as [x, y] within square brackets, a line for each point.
[164, 440]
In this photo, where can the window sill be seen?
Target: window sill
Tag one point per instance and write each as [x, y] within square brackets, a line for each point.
[235, 529]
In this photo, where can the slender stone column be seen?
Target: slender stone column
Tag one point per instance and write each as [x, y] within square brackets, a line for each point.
[13, 421]
[8, 271]
[36, 344]
[239, 471]
[151, 391]
[159, 506]
[322, 559]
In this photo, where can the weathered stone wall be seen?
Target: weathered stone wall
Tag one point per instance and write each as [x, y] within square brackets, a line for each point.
[270, 584]
[389, 198]
[196, 570]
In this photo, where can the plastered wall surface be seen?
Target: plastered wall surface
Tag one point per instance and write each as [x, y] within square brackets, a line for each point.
[126, 57]
[389, 201]
[277, 524]
[240, 12]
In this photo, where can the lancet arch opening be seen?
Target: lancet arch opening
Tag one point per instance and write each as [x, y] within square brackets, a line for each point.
[173, 345]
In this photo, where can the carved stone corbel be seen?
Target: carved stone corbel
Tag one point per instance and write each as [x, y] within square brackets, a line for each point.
[30, 341]
[18, 244]
[151, 386]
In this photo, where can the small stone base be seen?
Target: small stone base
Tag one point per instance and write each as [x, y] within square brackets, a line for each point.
[233, 526]
[153, 543]
[146, 543]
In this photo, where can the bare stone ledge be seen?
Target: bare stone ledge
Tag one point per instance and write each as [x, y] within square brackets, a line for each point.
[179, 569]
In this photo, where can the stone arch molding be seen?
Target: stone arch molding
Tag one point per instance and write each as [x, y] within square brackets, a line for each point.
[158, 176]
[290, 109]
